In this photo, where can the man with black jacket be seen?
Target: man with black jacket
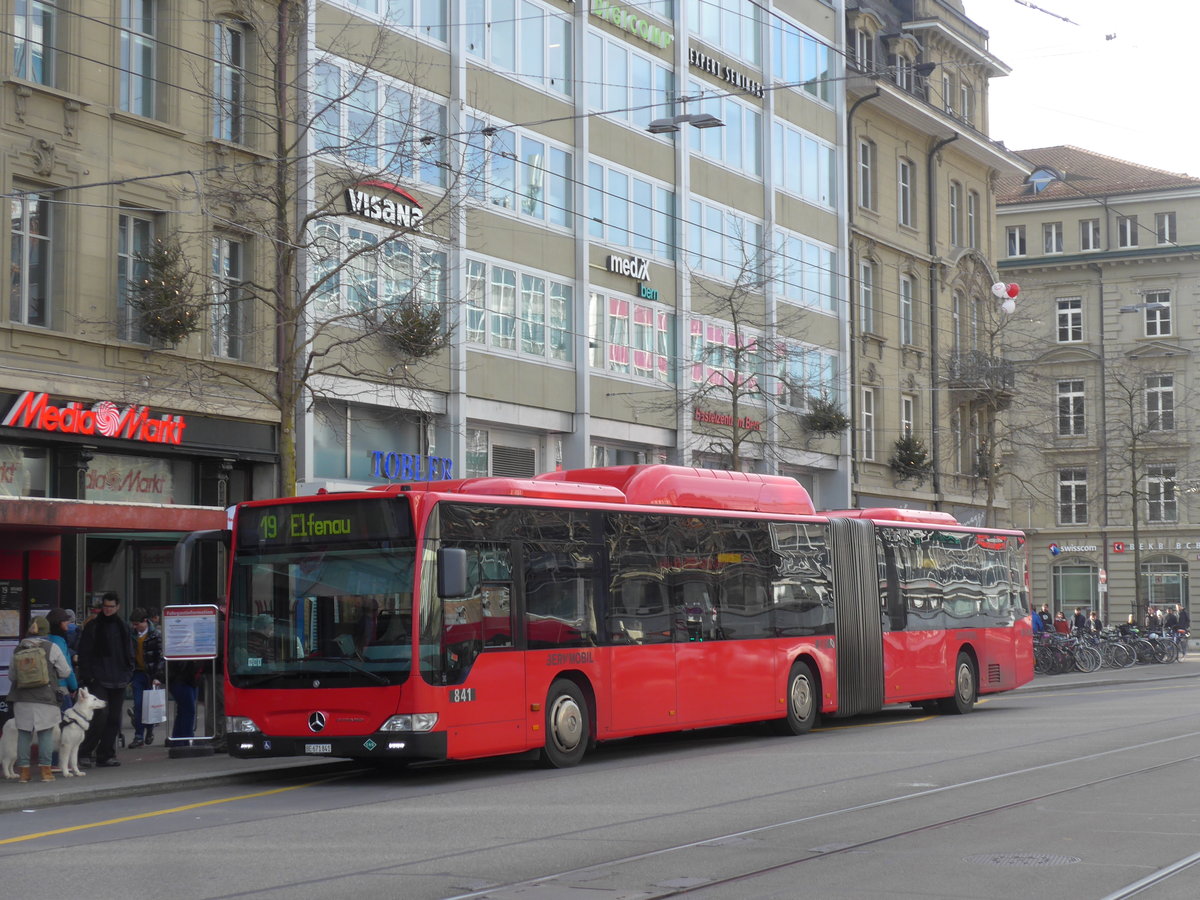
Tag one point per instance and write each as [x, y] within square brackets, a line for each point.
[105, 668]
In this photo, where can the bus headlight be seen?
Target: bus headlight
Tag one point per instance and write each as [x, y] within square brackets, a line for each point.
[413, 722]
[240, 725]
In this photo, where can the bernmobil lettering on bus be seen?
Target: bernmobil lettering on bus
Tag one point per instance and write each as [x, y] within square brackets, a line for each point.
[33, 410]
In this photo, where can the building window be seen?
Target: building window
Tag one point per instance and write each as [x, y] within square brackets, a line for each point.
[1052, 237]
[1089, 234]
[1016, 240]
[426, 18]
[904, 187]
[139, 56]
[1070, 319]
[523, 39]
[738, 144]
[808, 373]
[626, 210]
[866, 295]
[1161, 504]
[799, 59]
[1158, 313]
[864, 49]
[866, 174]
[973, 219]
[806, 166]
[966, 101]
[522, 312]
[956, 322]
[722, 242]
[31, 252]
[902, 72]
[724, 357]
[1160, 402]
[631, 337]
[1127, 231]
[515, 171]
[625, 84]
[1164, 227]
[804, 271]
[947, 93]
[908, 414]
[867, 418]
[956, 214]
[135, 233]
[1072, 497]
[380, 124]
[34, 23]
[367, 273]
[729, 25]
[228, 305]
[907, 311]
[229, 81]
[1071, 409]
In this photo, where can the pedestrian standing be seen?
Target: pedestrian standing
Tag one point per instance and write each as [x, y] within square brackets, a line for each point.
[1079, 620]
[147, 672]
[34, 697]
[105, 668]
[1185, 618]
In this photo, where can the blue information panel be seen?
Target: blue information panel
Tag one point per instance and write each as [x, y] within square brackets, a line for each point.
[190, 632]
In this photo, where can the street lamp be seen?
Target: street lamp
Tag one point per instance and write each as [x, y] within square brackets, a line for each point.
[672, 123]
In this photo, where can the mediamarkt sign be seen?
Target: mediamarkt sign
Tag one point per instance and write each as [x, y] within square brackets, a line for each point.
[133, 423]
[405, 214]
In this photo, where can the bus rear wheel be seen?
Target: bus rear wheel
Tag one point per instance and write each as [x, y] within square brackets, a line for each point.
[568, 726]
[963, 700]
[802, 702]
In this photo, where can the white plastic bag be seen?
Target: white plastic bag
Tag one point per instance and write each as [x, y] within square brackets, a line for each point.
[154, 706]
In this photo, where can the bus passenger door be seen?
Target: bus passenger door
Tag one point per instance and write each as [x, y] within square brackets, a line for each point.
[484, 712]
[642, 694]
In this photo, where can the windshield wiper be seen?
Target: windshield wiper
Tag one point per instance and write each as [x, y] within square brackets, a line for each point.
[349, 663]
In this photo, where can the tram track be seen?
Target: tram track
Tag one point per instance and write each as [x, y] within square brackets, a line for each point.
[569, 878]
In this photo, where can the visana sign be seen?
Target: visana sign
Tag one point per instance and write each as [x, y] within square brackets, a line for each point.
[405, 212]
[33, 410]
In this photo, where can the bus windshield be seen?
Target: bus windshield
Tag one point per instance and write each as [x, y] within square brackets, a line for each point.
[328, 610]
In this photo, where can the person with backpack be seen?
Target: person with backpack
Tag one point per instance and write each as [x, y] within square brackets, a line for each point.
[34, 670]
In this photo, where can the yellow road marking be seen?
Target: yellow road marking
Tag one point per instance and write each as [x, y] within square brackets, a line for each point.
[160, 812]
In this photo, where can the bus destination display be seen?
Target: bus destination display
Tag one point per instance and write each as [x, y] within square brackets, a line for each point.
[336, 521]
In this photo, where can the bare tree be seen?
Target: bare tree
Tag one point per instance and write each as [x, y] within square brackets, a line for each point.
[749, 383]
[350, 206]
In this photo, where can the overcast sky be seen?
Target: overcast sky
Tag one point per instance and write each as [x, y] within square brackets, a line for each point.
[1119, 78]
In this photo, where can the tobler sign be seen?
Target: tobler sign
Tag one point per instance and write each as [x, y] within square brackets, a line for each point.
[399, 209]
[133, 423]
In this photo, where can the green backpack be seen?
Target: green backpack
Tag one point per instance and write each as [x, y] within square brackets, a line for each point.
[30, 665]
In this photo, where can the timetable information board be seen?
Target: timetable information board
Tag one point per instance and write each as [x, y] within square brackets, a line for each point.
[190, 632]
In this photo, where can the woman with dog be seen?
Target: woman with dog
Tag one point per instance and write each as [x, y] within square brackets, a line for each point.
[36, 708]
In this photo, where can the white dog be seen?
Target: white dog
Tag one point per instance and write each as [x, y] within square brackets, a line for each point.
[67, 736]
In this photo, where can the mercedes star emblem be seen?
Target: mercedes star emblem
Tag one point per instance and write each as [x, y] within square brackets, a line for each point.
[316, 721]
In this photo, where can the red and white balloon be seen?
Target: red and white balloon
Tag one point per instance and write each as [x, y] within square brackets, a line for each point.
[1007, 293]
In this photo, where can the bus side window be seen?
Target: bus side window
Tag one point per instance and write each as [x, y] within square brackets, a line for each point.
[483, 617]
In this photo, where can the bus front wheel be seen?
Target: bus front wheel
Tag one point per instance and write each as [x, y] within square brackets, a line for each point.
[567, 725]
[801, 702]
[963, 700]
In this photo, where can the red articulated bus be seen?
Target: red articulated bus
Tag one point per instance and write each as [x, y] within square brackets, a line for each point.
[486, 616]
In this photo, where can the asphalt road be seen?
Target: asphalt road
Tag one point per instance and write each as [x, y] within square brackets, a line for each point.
[1086, 791]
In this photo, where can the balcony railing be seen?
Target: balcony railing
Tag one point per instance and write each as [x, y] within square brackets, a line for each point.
[987, 378]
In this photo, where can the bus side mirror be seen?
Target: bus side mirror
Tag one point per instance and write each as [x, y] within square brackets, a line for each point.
[451, 572]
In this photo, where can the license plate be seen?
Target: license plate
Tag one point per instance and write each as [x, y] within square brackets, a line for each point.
[318, 748]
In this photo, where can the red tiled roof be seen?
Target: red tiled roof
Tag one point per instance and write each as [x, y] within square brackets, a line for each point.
[1087, 174]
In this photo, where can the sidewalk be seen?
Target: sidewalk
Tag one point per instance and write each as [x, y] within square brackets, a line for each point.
[150, 770]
